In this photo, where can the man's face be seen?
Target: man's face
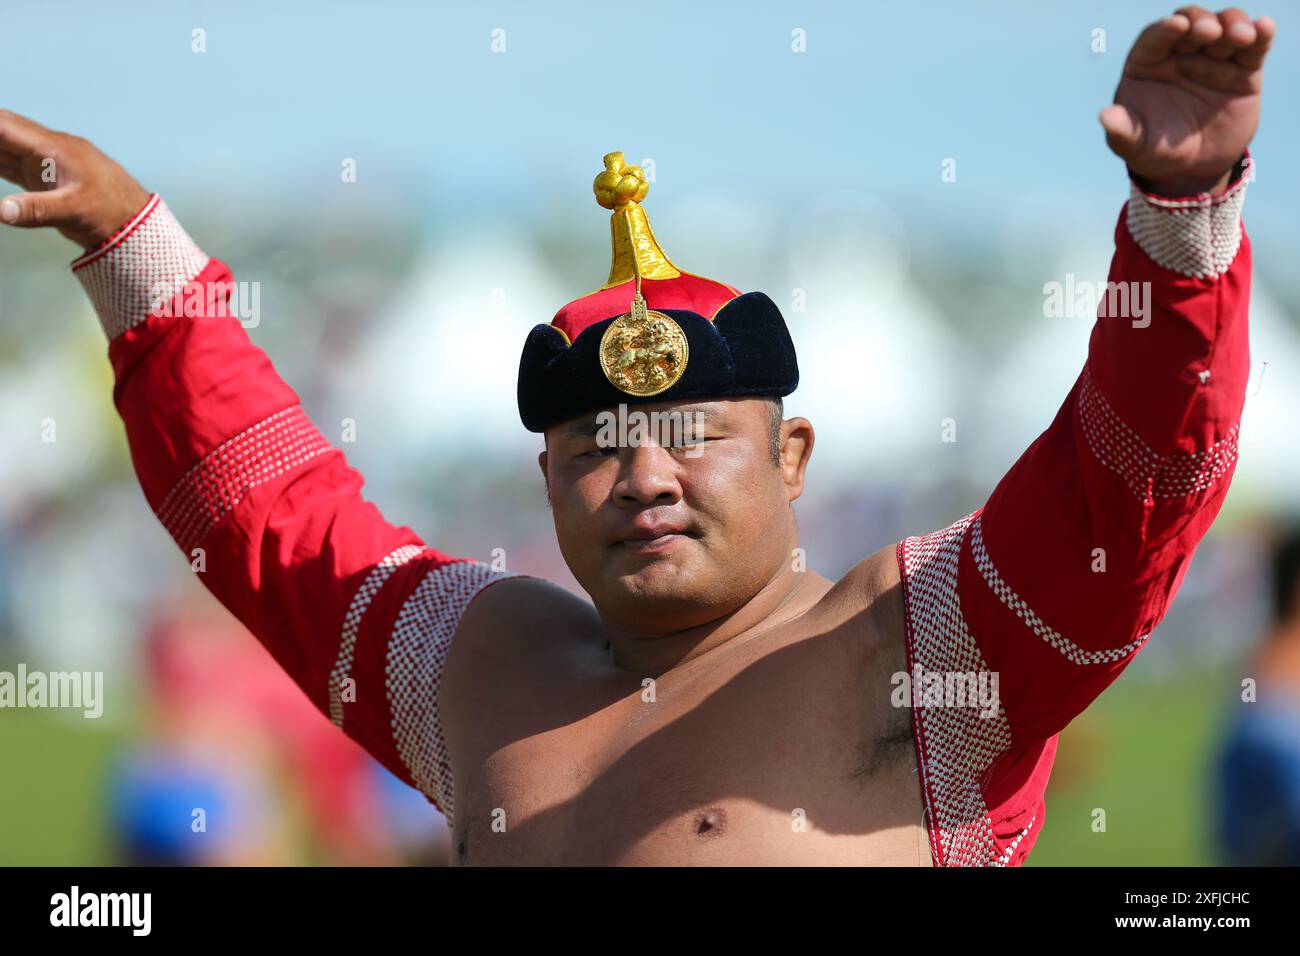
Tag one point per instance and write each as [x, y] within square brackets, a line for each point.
[678, 527]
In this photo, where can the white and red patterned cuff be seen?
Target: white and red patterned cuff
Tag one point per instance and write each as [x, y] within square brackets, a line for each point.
[143, 266]
[1195, 236]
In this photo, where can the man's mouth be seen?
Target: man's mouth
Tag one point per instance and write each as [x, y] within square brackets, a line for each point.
[652, 538]
[654, 545]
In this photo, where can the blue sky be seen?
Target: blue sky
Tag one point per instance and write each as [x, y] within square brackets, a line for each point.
[711, 90]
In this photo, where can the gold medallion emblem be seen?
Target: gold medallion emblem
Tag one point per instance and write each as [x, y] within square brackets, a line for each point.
[643, 352]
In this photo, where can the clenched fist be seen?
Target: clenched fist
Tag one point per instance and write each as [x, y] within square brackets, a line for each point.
[71, 186]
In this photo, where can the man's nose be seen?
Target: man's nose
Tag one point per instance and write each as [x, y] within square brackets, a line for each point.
[648, 476]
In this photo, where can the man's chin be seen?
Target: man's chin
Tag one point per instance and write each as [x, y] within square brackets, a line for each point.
[658, 611]
[658, 575]
[654, 584]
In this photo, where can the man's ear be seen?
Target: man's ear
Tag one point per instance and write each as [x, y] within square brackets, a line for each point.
[541, 463]
[797, 437]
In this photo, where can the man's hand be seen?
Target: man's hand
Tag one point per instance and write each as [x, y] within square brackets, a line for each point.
[72, 186]
[1188, 102]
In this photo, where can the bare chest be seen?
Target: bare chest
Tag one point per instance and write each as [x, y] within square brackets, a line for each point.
[789, 753]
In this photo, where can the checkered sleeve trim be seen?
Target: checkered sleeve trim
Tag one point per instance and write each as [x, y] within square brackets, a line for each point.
[1197, 236]
[140, 270]
[273, 447]
[956, 745]
[1053, 638]
[1147, 474]
[1005, 858]
[361, 601]
[417, 653]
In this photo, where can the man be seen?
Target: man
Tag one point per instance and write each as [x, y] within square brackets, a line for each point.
[714, 703]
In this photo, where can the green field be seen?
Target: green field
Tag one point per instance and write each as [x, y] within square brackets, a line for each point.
[51, 804]
[1141, 754]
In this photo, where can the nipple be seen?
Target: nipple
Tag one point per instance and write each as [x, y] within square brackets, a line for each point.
[710, 822]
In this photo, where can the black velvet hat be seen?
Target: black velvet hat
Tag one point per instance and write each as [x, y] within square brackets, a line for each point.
[652, 333]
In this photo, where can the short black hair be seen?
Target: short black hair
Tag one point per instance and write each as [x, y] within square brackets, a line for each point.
[777, 408]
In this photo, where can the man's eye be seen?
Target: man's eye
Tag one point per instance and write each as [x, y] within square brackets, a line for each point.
[603, 452]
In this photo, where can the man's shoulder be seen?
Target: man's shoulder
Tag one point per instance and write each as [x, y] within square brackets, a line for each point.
[515, 632]
[523, 608]
[875, 586]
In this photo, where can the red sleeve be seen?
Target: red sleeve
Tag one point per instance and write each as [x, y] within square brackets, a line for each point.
[270, 515]
[1051, 588]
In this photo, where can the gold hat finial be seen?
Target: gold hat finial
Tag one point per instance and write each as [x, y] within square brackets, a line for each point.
[621, 187]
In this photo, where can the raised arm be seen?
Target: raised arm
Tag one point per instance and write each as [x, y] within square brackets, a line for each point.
[1057, 582]
[358, 611]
